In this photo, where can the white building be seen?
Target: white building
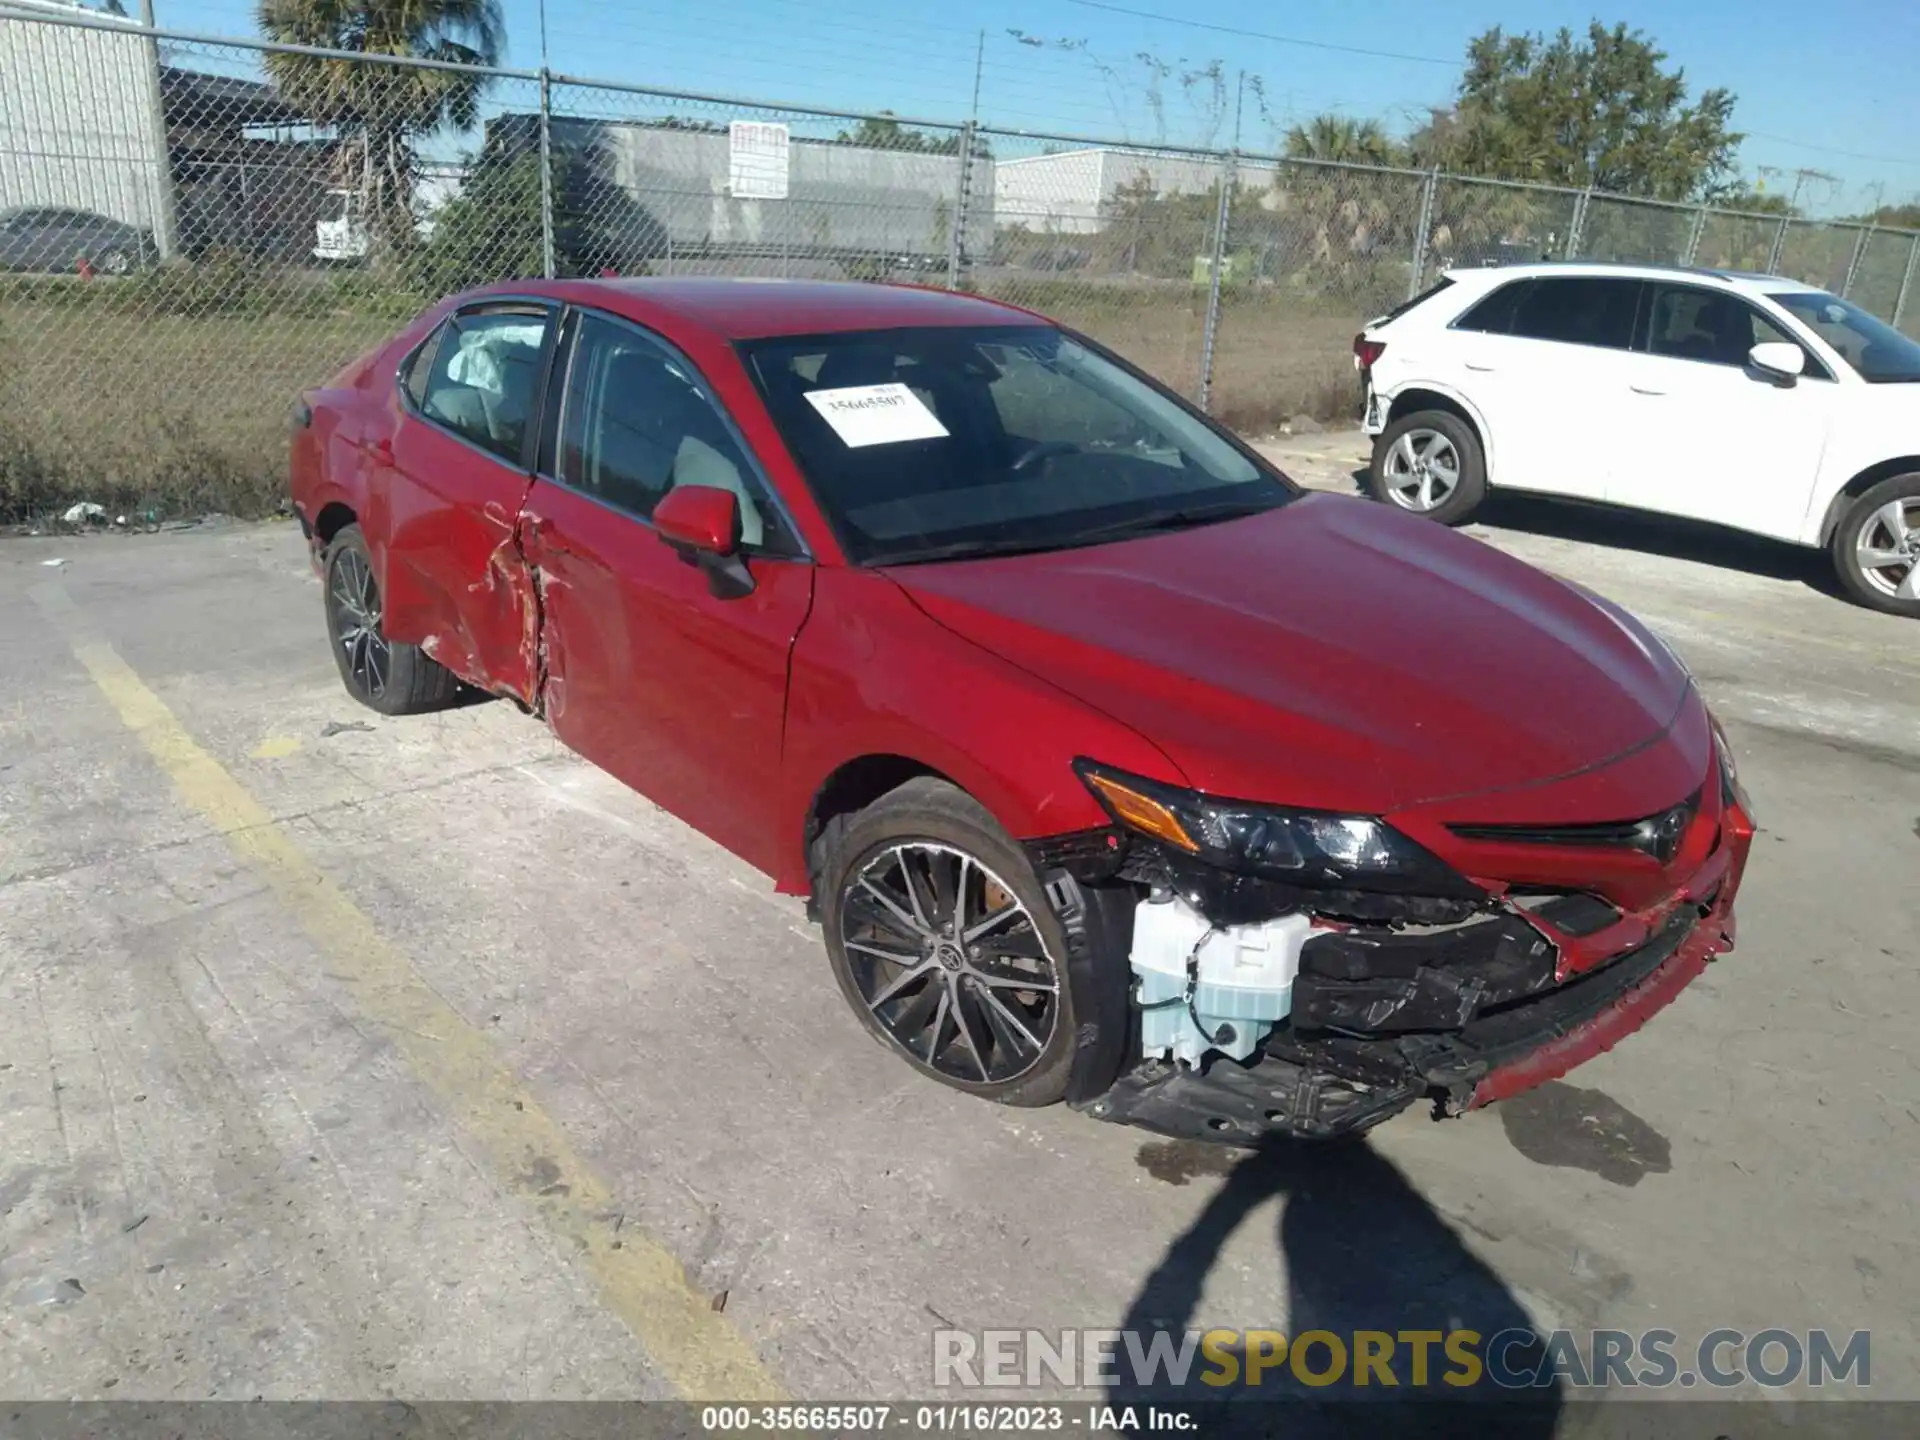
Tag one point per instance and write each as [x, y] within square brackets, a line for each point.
[1070, 192]
[79, 110]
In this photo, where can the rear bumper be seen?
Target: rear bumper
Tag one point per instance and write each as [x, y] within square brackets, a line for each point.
[1373, 413]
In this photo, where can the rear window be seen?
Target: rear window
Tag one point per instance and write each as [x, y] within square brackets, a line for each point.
[1445, 282]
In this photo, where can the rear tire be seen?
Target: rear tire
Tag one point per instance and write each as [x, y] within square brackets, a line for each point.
[1876, 547]
[382, 674]
[1429, 463]
[979, 1004]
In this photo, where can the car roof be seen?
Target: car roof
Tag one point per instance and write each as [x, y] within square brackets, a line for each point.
[1652, 270]
[752, 309]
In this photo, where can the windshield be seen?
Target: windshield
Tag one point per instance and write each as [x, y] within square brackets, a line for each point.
[1877, 351]
[937, 443]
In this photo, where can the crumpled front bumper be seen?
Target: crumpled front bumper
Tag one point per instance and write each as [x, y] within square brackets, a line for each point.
[1324, 1084]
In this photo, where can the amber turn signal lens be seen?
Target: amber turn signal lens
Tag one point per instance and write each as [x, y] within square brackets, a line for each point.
[1143, 813]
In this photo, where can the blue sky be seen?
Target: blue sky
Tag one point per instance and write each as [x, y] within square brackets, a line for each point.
[1827, 88]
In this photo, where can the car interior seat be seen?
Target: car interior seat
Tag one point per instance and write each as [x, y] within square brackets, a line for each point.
[703, 452]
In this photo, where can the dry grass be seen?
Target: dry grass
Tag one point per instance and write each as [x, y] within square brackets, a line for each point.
[1276, 355]
[165, 414]
[150, 408]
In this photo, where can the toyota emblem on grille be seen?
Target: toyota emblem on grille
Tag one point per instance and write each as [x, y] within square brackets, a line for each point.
[1659, 835]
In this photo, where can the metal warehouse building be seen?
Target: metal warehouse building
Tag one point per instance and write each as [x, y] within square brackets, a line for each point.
[1070, 192]
[79, 110]
[842, 199]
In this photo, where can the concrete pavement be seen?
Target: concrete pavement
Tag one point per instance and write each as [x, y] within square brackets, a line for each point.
[352, 1057]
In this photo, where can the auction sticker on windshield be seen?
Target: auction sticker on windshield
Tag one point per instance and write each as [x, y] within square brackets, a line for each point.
[876, 415]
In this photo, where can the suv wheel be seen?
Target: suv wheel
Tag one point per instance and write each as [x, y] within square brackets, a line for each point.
[1429, 462]
[942, 941]
[1876, 547]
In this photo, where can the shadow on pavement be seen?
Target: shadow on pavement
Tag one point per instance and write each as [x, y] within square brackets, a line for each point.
[1651, 534]
[1361, 1251]
[1664, 535]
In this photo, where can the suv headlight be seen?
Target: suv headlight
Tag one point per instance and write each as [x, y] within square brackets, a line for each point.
[1301, 847]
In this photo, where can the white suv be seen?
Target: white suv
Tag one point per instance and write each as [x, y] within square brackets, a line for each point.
[1746, 400]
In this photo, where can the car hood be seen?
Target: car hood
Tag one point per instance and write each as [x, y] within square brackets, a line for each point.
[1331, 653]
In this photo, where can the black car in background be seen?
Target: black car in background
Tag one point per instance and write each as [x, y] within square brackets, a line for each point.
[55, 240]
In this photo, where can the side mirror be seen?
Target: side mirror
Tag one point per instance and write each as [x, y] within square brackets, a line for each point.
[702, 522]
[1777, 361]
[699, 518]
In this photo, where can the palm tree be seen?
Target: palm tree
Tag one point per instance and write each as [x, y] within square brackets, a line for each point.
[379, 109]
[1339, 138]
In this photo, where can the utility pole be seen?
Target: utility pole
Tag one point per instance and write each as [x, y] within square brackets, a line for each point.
[166, 237]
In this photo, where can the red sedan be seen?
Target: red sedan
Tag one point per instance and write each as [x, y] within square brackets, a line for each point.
[1115, 767]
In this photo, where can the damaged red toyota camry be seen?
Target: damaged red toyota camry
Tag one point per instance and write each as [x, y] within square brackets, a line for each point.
[1115, 767]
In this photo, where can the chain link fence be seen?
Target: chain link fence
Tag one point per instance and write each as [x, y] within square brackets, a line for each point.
[192, 230]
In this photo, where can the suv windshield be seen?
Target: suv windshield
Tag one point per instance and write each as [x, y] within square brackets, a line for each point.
[1880, 353]
[937, 443]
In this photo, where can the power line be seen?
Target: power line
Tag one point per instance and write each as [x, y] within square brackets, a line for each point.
[1451, 63]
[1829, 150]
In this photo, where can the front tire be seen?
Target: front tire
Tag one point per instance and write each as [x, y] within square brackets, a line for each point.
[384, 675]
[942, 941]
[1429, 463]
[1876, 547]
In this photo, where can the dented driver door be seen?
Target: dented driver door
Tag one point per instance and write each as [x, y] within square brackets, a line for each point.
[673, 688]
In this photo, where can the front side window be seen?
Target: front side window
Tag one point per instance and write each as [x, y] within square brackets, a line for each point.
[1686, 322]
[1878, 353]
[485, 370]
[1579, 310]
[939, 443]
[636, 421]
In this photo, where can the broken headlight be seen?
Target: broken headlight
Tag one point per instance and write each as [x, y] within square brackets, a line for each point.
[1301, 847]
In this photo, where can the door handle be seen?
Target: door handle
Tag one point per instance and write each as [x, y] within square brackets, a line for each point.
[1483, 369]
[382, 450]
[1645, 390]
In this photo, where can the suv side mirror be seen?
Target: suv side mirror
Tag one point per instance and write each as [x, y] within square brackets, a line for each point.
[1777, 361]
[702, 522]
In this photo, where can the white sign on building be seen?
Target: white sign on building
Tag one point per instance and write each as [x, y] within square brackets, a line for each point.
[757, 160]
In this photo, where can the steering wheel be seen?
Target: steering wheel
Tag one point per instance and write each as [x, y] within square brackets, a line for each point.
[1041, 450]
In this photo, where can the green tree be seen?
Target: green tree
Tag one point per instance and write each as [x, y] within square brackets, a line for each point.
[1755, 202]
[491, 230]
[1602, 111]
[1893, 217]
[380, 110]
[1341, 138]
[883, 132]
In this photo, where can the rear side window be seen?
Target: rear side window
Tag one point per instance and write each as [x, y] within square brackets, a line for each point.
[418, 369]
[1494, 314]
[483, 376]
[1579, 310]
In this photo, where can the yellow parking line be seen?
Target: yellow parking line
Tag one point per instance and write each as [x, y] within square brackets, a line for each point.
[696, 1350]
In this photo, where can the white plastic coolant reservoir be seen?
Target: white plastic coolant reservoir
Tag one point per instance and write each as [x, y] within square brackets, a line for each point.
[1245, 980]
